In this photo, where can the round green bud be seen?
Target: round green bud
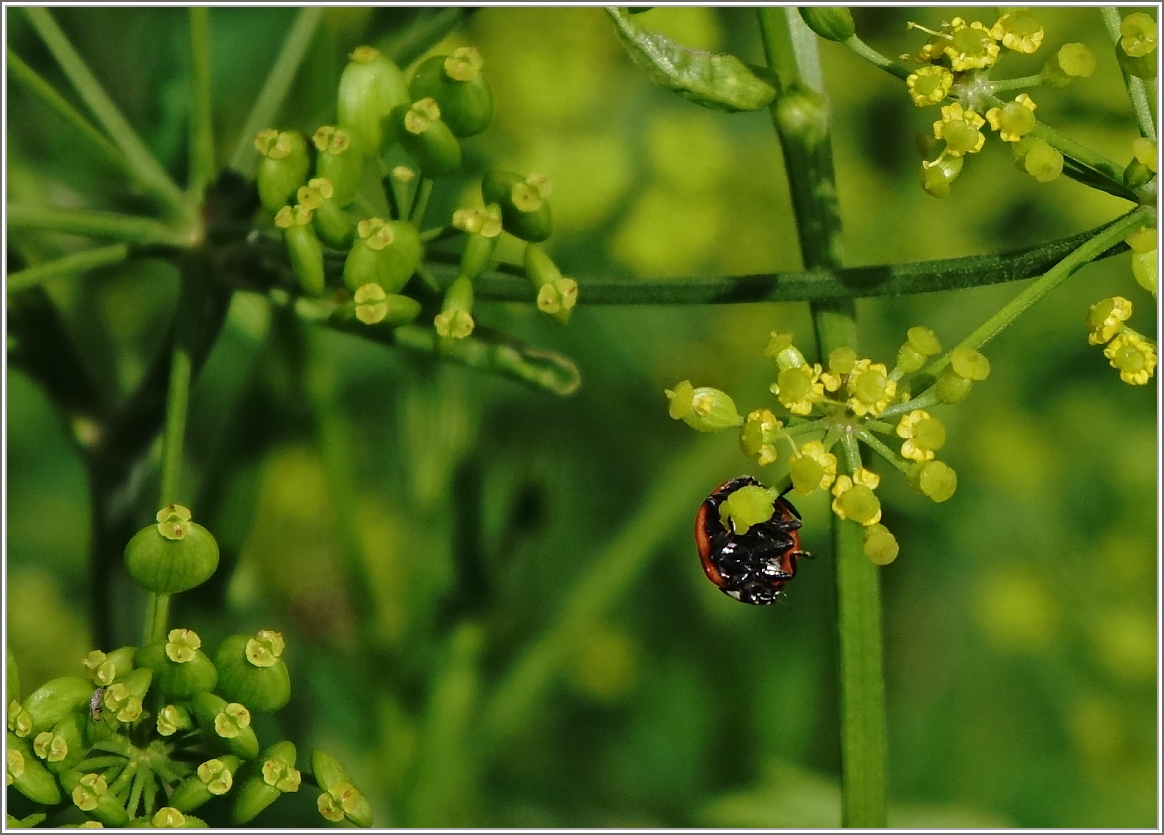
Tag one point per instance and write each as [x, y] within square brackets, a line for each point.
[951, 388]
[748, 506]
[332, 224]
[455, 321]
[371, 305]
[970, 364]
[781, 349]
[758, 436]
[1145, 270]
[283, 166]
[880, 545]
[933, 479]
[49, 704]
[929, 434]
[370, 88]
[806, 473]
[180, 668]
[860, 504]
[345, 801]
[90, 793]
[936, 177]
[923, 340]
[842, 360]
[251, 670]
[212, 778]
[869, 386]
[228, 723]
[1138, 35]
[174, 718]
[1137, 175]
[711, 410]
[167, 818]
[833, 23]
[427, 138]
[327, 770]
[107, 667]
[66, 744]
[276, 775]
[385, 253]
[525, 209]
[459, 88]
[802, 112]
[173, 556]
[1040, 160]
[338, 162]
[794, 384]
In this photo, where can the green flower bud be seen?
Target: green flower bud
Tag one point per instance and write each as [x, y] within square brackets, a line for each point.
[936, 177]
[842, 360]
[338, 162]
[1145, 270]
[427, 138]
[180, 668]
[748, 506]
[167, 818]
[211, 779]
[369, 88]
[332, 224]
[970, 364]
[49, 704]
[833, 23]
[174, 718]
[525, 209]
[386, 253]
[69, 742]
[455, 321]
[704, 409]
[108, 667]
[283, 166]
[28, 775]
[934, 479]
[880, 545]
[91, 794]
[461, 91]
[276, 775]
[758, 436]
[1139, 36]
[860, 504]
[1137, 175]
[781, 349]
[951, 388]
[228, 723]
[556, 295]
[807, 474]
[1072, 61]
[172, 556]
[302, 247]
[340, 798]
[372, 306]
[480, 244]
[1037, 158]
[252, 671]
[803, 113]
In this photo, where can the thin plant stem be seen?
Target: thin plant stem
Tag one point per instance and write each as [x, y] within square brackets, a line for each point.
[35, 84]
[157, 617]
[406, 45]
[1143, 105]
[275, 88]
[107, 225]
[201, 120]
[69, 265]
[1004, 85]
[1039, 288]
[881, 448]
[420, 201]
[149, 173]
[868, 53]
[800, 115]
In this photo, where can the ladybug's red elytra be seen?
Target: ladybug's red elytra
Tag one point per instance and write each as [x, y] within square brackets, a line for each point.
[752, 567]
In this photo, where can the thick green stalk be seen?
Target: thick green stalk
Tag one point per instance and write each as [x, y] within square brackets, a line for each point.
[201, 124]
[69, 265]
[275, 88]
[800, 114]
[149, 173]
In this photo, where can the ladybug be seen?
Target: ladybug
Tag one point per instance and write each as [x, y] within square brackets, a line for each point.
[752, 567]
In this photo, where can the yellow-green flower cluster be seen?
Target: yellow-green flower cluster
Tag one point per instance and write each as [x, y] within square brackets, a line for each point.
[1129, 352]
[828, 414]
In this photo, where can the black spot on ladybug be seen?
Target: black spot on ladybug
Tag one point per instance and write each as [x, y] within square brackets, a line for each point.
[752, 567]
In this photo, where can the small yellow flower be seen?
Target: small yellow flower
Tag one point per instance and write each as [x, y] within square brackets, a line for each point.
[1014, 119]
[799, 388]
[813, 467]
[960, 129]
[855, 498]
[929, 84]
[1107, 317]
[1133, 356]
[971, 46]
[923, 435]
[870, 388]
[1020, 31]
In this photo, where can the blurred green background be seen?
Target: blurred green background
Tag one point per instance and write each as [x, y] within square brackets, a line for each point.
[494, 611]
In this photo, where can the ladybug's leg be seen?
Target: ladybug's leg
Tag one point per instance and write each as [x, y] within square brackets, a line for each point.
[799, 554]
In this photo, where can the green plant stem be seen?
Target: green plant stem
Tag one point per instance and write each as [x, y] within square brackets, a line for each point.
[509, 283]
[35, 84]
[1142, 104]
[1004, 85]
[665, 506]
[108, 225]
[406, 45]
[275, 88]
[868, 53]
[420, 201]
[1093, 162]
[157, 618]
[201, 124]
[1055, 276]
[69, 265]
[800, 115]
[877, 445]
[149, 173]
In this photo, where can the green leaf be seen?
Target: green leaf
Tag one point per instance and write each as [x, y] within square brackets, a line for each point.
[716, 81]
